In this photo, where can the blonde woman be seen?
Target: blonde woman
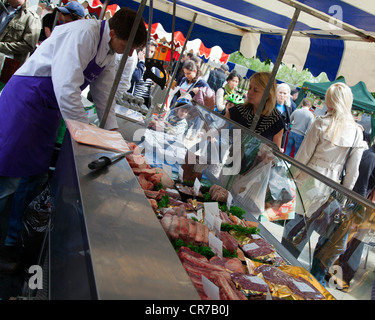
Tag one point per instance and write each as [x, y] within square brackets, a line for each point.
[270, 124]
[325, 149]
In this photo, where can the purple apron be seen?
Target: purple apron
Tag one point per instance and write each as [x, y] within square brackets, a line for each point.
[29, 121]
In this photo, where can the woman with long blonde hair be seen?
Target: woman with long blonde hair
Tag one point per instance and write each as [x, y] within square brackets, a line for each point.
[270, 124]
[325, 149]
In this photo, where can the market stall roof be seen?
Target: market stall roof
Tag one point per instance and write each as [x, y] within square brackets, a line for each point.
[215, 53]
[257, 28]
[363, 99]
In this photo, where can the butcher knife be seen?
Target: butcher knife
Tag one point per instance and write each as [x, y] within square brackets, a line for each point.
[107, 160]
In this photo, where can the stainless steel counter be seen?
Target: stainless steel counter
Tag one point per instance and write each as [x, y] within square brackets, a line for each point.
[106, 242]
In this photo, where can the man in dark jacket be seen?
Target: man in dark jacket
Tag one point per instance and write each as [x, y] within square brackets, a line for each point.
[19, 30]
[217, 77]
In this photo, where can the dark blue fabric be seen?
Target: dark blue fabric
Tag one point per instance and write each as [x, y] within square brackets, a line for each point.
[324, 55]
[269, 47]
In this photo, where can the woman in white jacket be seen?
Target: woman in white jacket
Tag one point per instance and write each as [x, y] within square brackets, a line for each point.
[325, 149]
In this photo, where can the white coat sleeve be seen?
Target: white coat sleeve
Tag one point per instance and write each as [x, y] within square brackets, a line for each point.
[100, 90]
[72, 53]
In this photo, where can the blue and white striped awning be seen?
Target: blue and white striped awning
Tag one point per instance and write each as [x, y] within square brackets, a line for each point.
[257, 28]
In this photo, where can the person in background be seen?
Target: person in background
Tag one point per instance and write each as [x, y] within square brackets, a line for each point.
[139, 87]
[51, 80]
[19, 30]
[126, 76]
[301, 120]
[294, 94]
[324, 149]
[217, 77]
[286, 107]
[270, 124]
[228, 89]
[72, 11]
[191, 83]
[350, 260]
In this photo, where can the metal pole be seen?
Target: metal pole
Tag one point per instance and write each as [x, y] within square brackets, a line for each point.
[151, 8]
[4, 7]
[178, 63]
[122, 62]
[169, 69]
[56, 17]
[104, 8]
[275, 69]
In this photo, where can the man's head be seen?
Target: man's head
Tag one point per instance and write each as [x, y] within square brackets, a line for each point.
[72, 11]
[120, 27]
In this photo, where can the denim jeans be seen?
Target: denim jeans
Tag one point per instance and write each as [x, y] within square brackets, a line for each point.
[294, 139]
[24, 191]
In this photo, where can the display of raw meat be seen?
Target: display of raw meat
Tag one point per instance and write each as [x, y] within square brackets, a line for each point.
[172, 193]
[218, 193]
[232, 264]
[188, 190]
[154, 194]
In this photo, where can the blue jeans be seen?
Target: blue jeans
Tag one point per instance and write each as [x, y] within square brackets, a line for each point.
[25, 189]
[294, 139]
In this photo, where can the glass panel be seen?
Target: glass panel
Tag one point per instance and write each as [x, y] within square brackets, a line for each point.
[311, 221]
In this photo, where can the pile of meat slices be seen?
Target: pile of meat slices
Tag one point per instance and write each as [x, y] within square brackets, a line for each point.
[228, 274]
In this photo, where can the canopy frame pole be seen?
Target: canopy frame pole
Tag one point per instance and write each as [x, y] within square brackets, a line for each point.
[275, 69]
[104, 9]
[124, 58]
[150, 13]
[327, 18]
[178, 62]
[169, 68]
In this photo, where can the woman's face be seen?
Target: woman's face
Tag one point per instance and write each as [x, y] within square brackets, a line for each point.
[233, 83]
[190, 74]
[282, 95]
[254, 94]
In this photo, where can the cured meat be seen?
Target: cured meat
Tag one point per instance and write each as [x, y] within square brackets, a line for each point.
[172, 193]
[174, 229]
[188, 190]
[232, 264]
[250, 285]
[199, 237]
[154, 194]
[218, 193]
[192, 231]
[137, 161]
[259, 249]
[229, 242]
[193, 253]
[224, 217]
[155, 178]
[153, 203]
[145, 184]
[145, 171]
[184, 230]
[166, 222]
[174, 202]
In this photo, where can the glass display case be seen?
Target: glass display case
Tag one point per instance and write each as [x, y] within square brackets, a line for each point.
[310, 220]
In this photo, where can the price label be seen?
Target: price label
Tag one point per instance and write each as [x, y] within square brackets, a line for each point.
[212, 207]
[209, 220]
[200, 214]
[215, 244]
[229, 200]
[168, 169]
[181, 174]
[197, 186]
[210, 289]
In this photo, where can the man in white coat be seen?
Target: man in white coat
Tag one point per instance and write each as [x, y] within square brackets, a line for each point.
[47, 87]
